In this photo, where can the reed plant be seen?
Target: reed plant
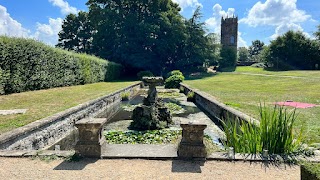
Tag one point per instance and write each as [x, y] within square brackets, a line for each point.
[274, 132]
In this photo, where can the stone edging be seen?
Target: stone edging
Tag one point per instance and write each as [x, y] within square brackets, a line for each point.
[215, 108]
[46, 131]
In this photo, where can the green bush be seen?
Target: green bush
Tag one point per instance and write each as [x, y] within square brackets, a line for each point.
[190, 96]
[2, 81]
[228, 59]
[174, 79]
[142, 74]
[275, 133]
[175, 72]
[31, 65]
[181, 89]
[125, 96]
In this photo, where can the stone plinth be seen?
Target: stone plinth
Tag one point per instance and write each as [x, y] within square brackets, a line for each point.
[191, 145]
[91, 140]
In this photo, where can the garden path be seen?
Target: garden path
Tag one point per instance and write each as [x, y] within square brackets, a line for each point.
[26, 168]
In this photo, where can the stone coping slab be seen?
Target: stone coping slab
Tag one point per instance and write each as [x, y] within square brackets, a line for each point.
[92, 121]
[28, 153]
[146, 151]
[13, 111]
[222, 106]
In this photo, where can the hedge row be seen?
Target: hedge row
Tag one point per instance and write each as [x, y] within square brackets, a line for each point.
[30, 65]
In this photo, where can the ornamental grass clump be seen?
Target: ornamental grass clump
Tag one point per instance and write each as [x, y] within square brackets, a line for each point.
[274, 133]
[276, 128]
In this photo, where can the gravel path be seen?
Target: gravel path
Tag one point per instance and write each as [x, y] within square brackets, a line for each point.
[26, 168]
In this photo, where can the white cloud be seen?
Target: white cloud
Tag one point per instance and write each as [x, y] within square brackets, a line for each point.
[283, 28]
[275, 13]
[9, 26]
[214, 22]
[282, 14]
[188, 3]
[64, 6]
[48, 33]
[241, 41]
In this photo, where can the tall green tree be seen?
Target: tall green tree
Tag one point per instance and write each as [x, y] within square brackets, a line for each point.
[143, 35]
[255, 50]
[243, 54]
[76, 33]
[136, 33]
[199, 47]
[293, 50]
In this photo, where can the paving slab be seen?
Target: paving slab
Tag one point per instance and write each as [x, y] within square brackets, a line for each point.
[14, 153]
[56, 153]
[148, 151]
[13, 111]
[29, 153]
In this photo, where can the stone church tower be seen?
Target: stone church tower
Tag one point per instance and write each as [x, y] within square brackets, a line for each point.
[229, 32]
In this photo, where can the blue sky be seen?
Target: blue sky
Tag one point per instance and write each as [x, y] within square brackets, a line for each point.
[263, 20]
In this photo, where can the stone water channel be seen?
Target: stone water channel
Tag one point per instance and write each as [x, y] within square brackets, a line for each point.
[189, 113]
[121, 120]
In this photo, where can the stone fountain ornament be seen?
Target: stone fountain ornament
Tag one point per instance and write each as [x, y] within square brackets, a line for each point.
[152, 114]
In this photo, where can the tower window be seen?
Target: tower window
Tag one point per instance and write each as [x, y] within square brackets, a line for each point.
[232, 39]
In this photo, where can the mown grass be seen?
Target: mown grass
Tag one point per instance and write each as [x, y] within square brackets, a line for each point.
[44, 103]
[298, 74]
[245, 91]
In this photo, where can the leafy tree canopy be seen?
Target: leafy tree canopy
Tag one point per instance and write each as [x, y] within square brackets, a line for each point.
[255, 50]
[76, 33]
[243, 54]
[293, 50]
[140, 34]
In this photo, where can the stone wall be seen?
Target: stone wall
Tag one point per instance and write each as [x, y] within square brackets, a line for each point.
[45, 132]
[216, 109]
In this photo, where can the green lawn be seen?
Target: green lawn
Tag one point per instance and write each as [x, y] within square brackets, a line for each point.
[44, 103]
[244, 91]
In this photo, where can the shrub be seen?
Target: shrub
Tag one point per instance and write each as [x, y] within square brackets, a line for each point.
[2, 81]
[142, 74]
[174, 79]
[275, 133]
[190, 96]
[181, 89]
[228, 59]
[125, 96]
[31, 65]
[175, 72]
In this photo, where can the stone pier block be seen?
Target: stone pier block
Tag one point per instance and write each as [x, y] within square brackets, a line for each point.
[91, 140]
[191, 145]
